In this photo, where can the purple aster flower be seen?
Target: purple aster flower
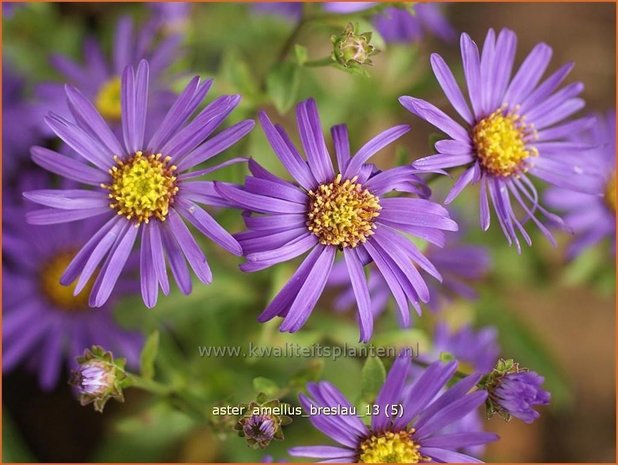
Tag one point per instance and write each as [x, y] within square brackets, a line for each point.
[518, 393]
[514, 129]
[330, 209]
[476, 351]
[44, 323]
[399, 25]
[458, 265]
[20, 122]
[591, 217]
[347, 7]
[141, 187]
[416, 435]
[99, 78]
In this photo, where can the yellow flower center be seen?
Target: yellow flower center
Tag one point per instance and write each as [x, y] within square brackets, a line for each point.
[142, 187]
[342, 213]
[108, 100]
[500, 143]
[390, 447]
[62, 296]
[610, 193]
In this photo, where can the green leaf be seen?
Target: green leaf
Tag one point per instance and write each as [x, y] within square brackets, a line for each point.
[373, 375]
[282, 85]
[149, 355]
[301, 53]
[265, 386]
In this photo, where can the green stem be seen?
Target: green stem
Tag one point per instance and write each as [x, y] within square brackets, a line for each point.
[326, 61]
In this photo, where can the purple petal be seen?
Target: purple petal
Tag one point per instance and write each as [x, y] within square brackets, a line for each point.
[450, 87]
[361, 291]
[436, 117]
[67, 167]
[341, 141]
[189, 247]
[68, 199]
[312, 139]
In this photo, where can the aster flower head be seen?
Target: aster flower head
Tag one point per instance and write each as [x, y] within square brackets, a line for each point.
[592, 217]
[140, 187]
[515, 129]
[99, 77]
[417, 435]
[515, 392]
[98, 378]
[34, 259]
[330, 209]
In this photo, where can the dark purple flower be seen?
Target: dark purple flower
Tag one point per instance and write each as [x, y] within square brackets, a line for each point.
[416, 435]
[458, 265]
[330, 209]
[515, 128]
[518, 393]
[139, 186]
[592, 217]
[99, 77]
[400, 25]
[20, 122]
[44, 323]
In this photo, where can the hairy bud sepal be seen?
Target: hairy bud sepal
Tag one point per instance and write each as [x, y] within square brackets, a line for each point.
[351, 49]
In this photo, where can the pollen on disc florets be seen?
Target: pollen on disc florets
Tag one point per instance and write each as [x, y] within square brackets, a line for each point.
[610, 193]
[390, 447]
[62, 296]
[108, 99]
[501, 143]
[142, 187]
[342, 213]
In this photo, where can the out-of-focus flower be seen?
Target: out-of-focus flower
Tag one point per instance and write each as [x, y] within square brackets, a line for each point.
[44, 323]
[592, 218]
[458, 264]
[98, 378]
[140, 186]
[20, 122]
[99, 77]
[514, 392]
[515, 129]
[416, 435]
[172, 16]
[351, 48]
[400, 25]
[396, 24]
[327, 210]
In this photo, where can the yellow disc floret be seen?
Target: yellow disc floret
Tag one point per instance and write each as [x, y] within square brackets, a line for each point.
[500, 143]
[58, 295]
[108, 99]
[610, 193]
[142, 187]
[342, 213]
[390, 447]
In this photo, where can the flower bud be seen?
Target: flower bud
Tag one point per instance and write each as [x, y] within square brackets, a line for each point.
[98, 377]
[514, 392]
[262, 422]
[351, 48]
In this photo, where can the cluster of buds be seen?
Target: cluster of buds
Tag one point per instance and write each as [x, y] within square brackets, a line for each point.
[98, 378]
[262, 422]
[351, 49]
[513, 391]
